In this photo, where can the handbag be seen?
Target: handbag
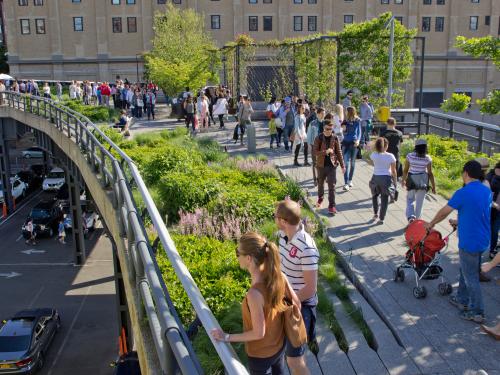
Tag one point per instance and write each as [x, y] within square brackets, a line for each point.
[359, 154]
[417, 181]
[295, 329]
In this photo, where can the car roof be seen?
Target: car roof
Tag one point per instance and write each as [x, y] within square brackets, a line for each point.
[45, 205]
[56, 170]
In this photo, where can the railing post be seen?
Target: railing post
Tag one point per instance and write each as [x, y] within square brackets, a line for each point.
[452, 130]
[480, 138]
[427, 123]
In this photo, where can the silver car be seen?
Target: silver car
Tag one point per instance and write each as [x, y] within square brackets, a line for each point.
[25, 340]
[33, 152]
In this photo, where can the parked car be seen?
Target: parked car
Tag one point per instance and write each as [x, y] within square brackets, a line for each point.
[54, 180]
[88, 212]
[25, 340]
[46, 216]
[33, 152]
[63, 194]
[31, 179]
[18, 188]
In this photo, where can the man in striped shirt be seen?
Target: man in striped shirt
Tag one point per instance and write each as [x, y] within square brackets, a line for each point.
[299, 262]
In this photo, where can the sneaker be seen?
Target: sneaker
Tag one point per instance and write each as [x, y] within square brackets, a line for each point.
[472, 316]
[459, 305]
[319, 202]
[307, 164]
[351, 184]
[332, 210]
[346, 187]
[380, 222]
[297, 164]
[411, 219]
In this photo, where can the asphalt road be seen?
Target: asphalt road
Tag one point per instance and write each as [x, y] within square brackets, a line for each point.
[85, 296]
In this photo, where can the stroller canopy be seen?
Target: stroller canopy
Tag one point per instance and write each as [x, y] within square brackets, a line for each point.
[423, 244]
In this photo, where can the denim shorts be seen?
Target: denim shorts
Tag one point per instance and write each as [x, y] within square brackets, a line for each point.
[309, 316]
[272, 365]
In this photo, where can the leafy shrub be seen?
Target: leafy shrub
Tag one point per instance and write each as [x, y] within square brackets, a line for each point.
[456, 103]
[211, 150]
[215, 270]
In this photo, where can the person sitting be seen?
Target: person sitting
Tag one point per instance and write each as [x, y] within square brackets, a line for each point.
[123, 120]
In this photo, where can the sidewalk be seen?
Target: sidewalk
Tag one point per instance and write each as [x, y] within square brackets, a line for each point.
[430, 330]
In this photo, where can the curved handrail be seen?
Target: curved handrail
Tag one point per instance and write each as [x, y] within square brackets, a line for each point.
[82, 124]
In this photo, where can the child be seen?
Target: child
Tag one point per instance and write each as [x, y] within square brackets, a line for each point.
[273, 132]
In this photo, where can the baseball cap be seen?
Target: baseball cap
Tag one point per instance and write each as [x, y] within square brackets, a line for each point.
[420, 141]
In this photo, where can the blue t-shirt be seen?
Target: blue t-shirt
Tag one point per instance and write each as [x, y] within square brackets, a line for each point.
[473, 203]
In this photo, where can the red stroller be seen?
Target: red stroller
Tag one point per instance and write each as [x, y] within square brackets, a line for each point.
[423, 257]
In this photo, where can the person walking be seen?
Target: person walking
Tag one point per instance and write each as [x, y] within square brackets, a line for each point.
[300, 136]
[189, 108]
[262, 308]
[366, 115]
[395, 138]
[220, 109]
[299, 262]
[244, 116]
[30, 228]
[72, 90]
[312, 132]
[485, 268]
[105, 94]
[417, 174]
[352, 136]
[202, 110]
[493, 177]
[61, 232]
[150, 104]
[328, 156]
[347, 101]
[384, 175]
[46, 90]
[473, 203]
[59, 91]
[337, 120]
[287, 115]
[273, 132]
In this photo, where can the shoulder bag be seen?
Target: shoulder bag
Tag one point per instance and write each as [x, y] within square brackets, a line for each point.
[295, 329]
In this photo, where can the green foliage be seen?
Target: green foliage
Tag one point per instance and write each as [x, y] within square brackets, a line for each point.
[491, 104]
[4, 66]
[183, 53]
[211, 150]
[456, 103]
[214, 268]
[487, 47]
[96, 114]
[364, 58]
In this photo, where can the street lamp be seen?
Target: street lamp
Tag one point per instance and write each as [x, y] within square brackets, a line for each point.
[390, 23]
[137, 65]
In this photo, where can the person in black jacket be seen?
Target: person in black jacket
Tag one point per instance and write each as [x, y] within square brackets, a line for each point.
[395, 138]
[493, 177]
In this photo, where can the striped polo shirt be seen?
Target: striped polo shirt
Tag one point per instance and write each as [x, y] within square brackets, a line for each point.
[297, 255]
[418, 164]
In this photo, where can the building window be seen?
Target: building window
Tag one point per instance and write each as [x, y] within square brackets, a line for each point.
[38, 3]
[426, 24]
[473, 22]
[117, 24]
[399, 18]
[40, 25]
[267, 1]
[131, 24]
[384, 1]
[474, 1]
[215, 22]
[78, 23]
[268, 23]
[25, 26]
[348, 18]
[312, 1]
[177, 1]
[297, 23]
[398, 1]
[23, 3]
[162, 1]
[76, 1]
[253, 23]
[487, 20]
[427, 2]
[440, 2]
[439, 25]
[115, 2]
[252, 1]
[130, 2]
[297, 1]
[312, 23]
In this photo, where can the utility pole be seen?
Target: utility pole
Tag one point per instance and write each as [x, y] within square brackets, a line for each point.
[391, 58]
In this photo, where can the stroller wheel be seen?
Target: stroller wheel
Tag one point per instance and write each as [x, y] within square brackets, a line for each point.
[449, 288]
[401, 274]
[419, 292]
[396, 275]
[442, 289]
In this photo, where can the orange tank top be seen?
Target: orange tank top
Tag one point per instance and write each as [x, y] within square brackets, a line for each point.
[273, 339]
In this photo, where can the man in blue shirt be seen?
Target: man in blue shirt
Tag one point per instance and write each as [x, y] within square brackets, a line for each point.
[473, 203]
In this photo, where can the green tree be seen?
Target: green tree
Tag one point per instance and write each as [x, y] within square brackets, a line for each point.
[488, 48]
[183, 53]
[456, 103]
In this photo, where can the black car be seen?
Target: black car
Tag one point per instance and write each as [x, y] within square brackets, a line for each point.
[25, 340]
[46, 216]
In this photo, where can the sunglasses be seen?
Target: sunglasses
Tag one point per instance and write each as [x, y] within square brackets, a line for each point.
[328, 129]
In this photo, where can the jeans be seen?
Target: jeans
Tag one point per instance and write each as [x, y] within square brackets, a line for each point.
[495, 227]
[349, 152]
[415, 198]
[306, 151]
[279, 135]
[286, 134]
[314, 163]
[274, 137]
[469, 288]
[365, 133]
[329, 174]
[221, 121]
[150, 110]
[379, 186]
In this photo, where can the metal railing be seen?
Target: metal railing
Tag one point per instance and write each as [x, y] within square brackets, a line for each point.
[481, 136]
[172, 345]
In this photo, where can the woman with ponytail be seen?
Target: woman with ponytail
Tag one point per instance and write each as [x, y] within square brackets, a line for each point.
[262, 307]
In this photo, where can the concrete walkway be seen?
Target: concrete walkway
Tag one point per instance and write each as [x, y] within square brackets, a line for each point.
[433, 337]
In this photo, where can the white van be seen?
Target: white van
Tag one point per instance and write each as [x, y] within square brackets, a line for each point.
[54, 180]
